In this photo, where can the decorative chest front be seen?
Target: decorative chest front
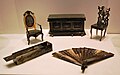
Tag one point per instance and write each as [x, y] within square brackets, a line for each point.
[66, 24]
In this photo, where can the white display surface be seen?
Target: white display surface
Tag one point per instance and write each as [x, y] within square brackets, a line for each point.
[48, 65]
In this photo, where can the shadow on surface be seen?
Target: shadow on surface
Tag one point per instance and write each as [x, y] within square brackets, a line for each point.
[98, 38]
[10, 65]
[33, 41]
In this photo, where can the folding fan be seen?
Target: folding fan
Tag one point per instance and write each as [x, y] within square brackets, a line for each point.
[82, 56]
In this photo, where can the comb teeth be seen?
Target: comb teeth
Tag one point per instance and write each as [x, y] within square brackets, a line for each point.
[82, 56]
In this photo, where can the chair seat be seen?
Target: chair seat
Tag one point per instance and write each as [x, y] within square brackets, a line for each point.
[100, 27]
[34, 32]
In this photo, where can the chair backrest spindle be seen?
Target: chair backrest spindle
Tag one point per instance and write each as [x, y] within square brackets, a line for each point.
[29, 20]
[103, 14]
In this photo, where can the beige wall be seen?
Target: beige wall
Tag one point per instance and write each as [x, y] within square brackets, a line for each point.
[8, 17]
[11, 15]
[114, 26]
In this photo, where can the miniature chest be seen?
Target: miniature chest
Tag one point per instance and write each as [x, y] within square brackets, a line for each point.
[66, 24]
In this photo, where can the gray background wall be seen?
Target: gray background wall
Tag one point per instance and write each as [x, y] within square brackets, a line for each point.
[11, 12]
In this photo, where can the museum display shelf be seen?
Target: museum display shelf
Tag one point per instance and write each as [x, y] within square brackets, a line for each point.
[48, 65]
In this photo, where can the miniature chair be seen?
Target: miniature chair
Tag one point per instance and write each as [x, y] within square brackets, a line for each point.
[30, 24]
[102, 22]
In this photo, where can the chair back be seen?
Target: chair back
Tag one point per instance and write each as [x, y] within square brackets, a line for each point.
[29, 20]
[103, 15]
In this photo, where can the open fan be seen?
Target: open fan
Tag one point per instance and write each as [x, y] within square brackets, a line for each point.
[82, 56]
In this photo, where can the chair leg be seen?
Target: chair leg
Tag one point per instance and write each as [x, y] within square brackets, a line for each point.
[104, 33]
[101, 35]
[42, 36]
[28, 39]
[91, 33]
